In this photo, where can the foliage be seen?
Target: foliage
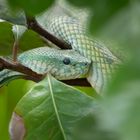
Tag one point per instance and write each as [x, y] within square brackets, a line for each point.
[114, 117]
[52, 113]
[7, 38]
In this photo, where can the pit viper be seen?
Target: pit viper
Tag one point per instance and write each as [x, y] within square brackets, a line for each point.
[103, 61]
[62, 64]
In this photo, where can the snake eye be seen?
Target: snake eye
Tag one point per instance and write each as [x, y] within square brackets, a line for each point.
[66, 61]
[86, 64]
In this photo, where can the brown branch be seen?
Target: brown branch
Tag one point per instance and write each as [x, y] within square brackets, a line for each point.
[31, 75]
[7, 64]
[32, 24]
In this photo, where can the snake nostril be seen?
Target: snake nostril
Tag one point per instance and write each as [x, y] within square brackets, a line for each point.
[66, 61]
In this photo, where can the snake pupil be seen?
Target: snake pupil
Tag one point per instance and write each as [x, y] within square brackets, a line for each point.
[86, 64]
[66, 61]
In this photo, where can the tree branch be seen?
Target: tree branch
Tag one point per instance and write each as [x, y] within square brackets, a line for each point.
[8, 64]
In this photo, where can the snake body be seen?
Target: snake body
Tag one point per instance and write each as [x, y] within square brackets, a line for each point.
[103, 60]
[85, 52]
[59, 63]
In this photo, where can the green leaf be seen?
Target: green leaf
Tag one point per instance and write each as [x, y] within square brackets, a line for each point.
[6, 38]
[31, 7]
[51, 110]
[4, 112]
[28, 38]
[8, 14]
[89, 91]
[9, 96]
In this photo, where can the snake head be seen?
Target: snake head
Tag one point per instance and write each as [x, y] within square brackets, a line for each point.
[62, 64]
[70, 65]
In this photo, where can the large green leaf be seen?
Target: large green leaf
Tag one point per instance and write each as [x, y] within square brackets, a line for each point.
[50, 111]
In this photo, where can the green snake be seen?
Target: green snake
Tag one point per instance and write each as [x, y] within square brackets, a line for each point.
[84, 49]
[103, 61]
[59, 63]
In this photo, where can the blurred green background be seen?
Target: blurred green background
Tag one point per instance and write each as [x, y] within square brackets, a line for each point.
[116, 24]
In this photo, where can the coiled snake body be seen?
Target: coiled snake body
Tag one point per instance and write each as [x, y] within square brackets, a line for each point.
[85, 51]
[59, 63]
[103, 61]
